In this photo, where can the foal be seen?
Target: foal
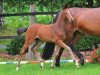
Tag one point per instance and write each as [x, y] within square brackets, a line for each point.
[55, 33]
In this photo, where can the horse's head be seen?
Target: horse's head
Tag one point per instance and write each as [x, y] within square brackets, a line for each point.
[67, 15]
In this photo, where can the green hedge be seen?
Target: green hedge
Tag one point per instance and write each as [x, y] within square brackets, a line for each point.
[15, 45]
[87, 42]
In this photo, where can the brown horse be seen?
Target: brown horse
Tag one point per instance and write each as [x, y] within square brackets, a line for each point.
[47, 33]
[87, 22]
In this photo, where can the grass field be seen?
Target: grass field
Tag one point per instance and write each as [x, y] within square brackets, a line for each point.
[65, 69]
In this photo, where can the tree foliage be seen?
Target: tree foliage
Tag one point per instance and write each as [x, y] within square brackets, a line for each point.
[51, 5]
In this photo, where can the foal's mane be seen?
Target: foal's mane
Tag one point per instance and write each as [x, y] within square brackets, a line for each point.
[65, 6]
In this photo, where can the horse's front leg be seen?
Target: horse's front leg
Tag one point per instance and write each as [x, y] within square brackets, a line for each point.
[58, 57]
[55, 55]
[62, 44]
[76, 37]
[34, 48]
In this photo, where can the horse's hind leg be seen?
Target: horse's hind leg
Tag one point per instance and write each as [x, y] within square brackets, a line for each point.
[28, 41]
[34, 48]
[24, 48]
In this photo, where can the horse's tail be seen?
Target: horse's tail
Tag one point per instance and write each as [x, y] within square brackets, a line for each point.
[48, 51]
[21, 30]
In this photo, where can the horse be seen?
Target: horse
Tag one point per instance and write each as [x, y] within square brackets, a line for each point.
[87, 23]
[55, 33]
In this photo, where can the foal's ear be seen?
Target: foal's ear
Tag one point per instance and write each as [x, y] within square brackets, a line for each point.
[65, 6]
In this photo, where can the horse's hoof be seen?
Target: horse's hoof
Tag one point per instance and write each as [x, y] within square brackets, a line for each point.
[57, 65]
[81, 61]
[41, 67]
[78, 66]
[77, 63]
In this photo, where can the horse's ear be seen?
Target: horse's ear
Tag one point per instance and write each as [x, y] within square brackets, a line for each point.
[65, 6]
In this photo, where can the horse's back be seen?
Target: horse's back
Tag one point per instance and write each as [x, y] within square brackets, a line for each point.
[89, 22]
[42, 31]
[45, 33]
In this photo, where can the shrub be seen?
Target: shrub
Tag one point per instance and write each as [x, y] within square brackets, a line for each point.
[87, 42]
[15, 45]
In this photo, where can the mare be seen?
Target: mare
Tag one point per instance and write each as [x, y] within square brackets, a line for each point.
[55, 33]
[86, 22]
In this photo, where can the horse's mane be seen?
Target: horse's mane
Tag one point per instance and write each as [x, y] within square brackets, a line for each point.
[54, 20]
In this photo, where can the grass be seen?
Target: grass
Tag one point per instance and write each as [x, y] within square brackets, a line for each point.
[65, 69]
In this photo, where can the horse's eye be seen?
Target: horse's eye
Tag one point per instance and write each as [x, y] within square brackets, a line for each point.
[65, 12]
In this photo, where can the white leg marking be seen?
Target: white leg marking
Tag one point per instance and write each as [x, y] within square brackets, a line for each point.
[17, 68]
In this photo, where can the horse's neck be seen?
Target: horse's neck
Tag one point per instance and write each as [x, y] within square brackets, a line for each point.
[77, 11]
[59, 28]
[74, 13]
[60, 24]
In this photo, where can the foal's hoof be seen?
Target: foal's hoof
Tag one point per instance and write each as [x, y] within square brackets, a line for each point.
[52, 67]
[41, 67]
[77, 63]
[81, 61]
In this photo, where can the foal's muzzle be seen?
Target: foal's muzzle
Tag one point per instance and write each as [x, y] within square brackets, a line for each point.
[71, 21]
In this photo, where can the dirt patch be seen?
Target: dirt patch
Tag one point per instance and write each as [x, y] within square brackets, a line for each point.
[5, 55]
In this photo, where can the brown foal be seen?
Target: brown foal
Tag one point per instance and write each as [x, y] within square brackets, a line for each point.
[55, 33]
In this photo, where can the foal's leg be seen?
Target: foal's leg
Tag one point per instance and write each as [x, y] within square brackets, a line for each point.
[62, 44]
[24, 48]
[29, 39]
[34, 48]
[55, 55]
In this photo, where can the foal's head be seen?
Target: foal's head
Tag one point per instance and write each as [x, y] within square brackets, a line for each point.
[67, 15]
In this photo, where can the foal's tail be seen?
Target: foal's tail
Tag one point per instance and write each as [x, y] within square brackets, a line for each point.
[21, 30]
[48, 51]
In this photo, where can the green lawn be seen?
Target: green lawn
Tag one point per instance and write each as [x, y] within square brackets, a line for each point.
[65, 69]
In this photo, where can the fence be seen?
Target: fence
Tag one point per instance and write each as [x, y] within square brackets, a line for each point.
[26, 14]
